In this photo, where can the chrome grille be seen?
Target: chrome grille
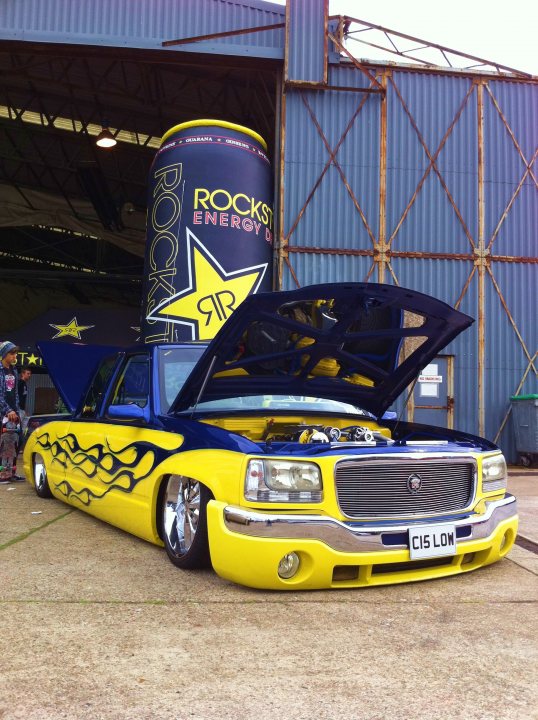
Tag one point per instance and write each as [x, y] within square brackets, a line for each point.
[379, 486]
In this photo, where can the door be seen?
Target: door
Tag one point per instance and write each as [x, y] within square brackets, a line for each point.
[434, 393]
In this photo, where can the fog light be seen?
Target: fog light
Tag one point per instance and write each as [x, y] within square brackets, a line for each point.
[506, 542]
[288, 566]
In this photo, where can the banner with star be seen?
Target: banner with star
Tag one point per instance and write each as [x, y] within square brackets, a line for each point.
[100, 326]
[209, 230]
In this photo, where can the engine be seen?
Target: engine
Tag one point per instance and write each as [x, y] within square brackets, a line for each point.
[357, 434]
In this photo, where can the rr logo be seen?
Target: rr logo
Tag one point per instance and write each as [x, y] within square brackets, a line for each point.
[222, 303]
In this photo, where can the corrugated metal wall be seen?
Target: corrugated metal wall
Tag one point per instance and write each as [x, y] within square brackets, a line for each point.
[129, 23]
[431, 188]
[304, 61]
[430, 185]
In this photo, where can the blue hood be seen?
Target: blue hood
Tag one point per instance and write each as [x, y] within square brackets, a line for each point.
[72, 366]
[360, 343]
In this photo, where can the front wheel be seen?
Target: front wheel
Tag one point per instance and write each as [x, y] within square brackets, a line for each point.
[184, 522]
[41, 482]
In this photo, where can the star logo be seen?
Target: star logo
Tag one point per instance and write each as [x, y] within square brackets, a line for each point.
[72, 329]
[32, 359]
[212, 293]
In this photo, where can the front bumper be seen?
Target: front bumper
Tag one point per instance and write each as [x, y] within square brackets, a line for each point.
[246, 546]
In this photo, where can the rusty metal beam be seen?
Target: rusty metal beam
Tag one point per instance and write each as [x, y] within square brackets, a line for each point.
[450, 391]
[481, 263]
[281, 239]
[227, 33]
[311, 85]
[381, 246]
[465, 288]
[330, 251]
[442, 49]
[363, 69]
[370, 272]
[325, 41]
[415, 254]
[292, 272]
[393, 274]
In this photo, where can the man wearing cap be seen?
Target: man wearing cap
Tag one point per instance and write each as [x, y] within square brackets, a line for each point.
[9, 410]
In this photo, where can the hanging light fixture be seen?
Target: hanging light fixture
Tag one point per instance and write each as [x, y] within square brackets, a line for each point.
[105, 139]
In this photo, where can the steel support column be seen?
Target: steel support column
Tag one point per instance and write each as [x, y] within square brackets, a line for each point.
[480, 261]
[381, 248]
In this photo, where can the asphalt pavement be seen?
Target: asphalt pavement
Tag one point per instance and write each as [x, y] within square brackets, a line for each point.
[96, 624]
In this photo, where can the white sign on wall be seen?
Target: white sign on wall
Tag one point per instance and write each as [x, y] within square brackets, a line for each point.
[429, 381]
[430, 374]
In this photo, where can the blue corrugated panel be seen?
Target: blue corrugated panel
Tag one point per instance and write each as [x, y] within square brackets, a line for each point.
[511, 139]
[445, 279]
[507, 356]
[306, 39]
[314, 268]
[331, 218]
[123, 23]
[431, 103]
[465, 351]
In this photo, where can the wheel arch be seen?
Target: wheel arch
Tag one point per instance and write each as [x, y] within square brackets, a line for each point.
[41, 486]
[221, 472]
[158, 508]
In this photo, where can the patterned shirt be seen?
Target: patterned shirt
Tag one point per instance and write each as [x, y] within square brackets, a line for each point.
[9, 399]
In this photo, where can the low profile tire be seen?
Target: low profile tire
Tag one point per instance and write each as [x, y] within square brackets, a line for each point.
[184, 522]
[41, 482]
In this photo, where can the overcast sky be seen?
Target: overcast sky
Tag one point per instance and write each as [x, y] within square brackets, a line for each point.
[506, 32]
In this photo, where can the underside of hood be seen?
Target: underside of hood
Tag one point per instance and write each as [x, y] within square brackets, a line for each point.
[360, 343]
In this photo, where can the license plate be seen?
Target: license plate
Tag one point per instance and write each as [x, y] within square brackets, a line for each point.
[428, 541]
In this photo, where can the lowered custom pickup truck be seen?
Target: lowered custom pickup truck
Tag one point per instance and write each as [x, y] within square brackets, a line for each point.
[265, 453]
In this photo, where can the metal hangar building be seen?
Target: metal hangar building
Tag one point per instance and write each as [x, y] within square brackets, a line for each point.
[419, 171]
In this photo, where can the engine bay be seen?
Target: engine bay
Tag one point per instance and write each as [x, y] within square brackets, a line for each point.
[315, 432]
[304, 430]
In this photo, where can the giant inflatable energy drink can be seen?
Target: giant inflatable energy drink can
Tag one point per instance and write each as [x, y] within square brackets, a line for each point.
[209, 229]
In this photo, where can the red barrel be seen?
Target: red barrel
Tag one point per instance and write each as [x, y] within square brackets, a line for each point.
[209, 229]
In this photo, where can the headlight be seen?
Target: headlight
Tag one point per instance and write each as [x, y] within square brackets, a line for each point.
[283, 481]
[494, 473]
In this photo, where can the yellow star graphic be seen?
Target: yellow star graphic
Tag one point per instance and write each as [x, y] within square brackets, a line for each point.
[32, 359]
[72, 329]
[212, 294]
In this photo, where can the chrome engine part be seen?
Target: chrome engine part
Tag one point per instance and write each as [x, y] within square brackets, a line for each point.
[327, 434]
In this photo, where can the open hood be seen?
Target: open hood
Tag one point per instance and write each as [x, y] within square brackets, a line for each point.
[360, 343]
[72, 366]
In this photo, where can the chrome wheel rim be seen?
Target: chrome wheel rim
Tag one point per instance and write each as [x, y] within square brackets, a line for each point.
[40, 474]
[181, 513]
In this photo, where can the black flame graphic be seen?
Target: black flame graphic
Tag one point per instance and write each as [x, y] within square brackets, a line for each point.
[111, 467]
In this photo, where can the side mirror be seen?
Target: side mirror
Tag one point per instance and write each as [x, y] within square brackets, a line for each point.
[126, 412]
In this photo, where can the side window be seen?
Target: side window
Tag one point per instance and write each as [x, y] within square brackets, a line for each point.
[97, 388]
[132, 387]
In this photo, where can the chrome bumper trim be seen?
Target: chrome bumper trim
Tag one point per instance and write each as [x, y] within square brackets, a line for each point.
[360, 536]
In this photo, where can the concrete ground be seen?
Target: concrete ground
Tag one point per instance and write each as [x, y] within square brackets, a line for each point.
[97, 624]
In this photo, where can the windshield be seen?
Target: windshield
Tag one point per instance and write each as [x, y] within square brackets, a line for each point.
[176, 364]
[296, 403]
